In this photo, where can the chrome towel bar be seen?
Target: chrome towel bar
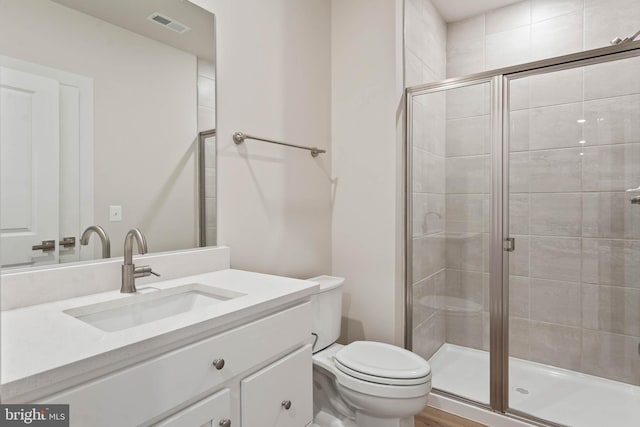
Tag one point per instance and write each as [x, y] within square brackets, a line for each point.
[239, 138]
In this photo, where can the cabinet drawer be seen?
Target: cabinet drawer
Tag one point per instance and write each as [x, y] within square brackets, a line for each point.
[210, 411]
[264, 395]
[145, 391]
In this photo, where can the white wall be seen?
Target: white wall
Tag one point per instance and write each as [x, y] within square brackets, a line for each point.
[367, 225]
[146, 168]
[273, 81]
[330, 75]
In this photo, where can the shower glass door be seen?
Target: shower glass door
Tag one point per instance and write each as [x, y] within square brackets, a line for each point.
[449, 147]
[574, 276]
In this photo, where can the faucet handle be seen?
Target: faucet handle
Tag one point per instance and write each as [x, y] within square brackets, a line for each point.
[144, 271]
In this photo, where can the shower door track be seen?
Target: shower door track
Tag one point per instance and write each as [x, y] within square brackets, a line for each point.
[498, 270]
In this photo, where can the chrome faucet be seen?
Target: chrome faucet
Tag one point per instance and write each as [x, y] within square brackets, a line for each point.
[129, 271]
[104, 239]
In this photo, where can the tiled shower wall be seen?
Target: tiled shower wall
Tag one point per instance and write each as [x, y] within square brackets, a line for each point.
[425, 61]
[575, 292]
[536, 29]
[575, 285]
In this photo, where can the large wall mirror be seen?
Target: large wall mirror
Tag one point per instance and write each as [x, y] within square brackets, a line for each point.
[107, 119]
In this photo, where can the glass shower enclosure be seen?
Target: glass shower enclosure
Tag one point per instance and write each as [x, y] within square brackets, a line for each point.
[523, 237]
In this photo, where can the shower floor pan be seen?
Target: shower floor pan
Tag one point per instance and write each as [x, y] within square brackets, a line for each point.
[559, 395]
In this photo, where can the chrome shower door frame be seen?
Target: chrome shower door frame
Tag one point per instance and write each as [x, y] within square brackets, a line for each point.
[499, 215]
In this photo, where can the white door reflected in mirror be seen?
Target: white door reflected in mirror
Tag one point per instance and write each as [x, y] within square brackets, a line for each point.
[29, 149]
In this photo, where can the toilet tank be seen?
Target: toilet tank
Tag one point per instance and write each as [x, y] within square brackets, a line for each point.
[327, 311]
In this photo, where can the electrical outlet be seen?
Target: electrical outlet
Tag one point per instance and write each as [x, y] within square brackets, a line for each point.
[115, 213]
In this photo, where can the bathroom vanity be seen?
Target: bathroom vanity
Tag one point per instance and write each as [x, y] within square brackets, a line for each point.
[224, 348]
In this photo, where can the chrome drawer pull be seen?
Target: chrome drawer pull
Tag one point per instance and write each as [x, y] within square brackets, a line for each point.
[225, 423]
[218, 363]
[286, 404]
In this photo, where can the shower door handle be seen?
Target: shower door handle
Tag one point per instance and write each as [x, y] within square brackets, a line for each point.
[509, 244]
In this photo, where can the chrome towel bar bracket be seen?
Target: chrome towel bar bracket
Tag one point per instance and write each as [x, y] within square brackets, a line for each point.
[240, 137]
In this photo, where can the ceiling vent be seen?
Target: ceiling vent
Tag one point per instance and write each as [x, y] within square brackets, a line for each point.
[167, 22]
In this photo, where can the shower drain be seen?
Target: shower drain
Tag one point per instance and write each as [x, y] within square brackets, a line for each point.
[521, 390]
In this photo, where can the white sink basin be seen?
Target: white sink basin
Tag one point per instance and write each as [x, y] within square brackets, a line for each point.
[138, 309]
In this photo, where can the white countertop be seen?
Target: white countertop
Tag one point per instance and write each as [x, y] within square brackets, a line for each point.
[45, 349]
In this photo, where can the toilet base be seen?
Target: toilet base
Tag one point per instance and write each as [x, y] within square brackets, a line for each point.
[364, 420]
[324, 419]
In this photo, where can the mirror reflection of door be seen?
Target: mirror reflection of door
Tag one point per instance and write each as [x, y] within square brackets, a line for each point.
[29, 118]
[41, 133]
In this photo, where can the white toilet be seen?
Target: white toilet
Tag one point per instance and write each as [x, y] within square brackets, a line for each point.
[365, 383]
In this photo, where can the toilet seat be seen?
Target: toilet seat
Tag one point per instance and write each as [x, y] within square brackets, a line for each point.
[373, 358]
[382, 390]
[379, 380]
[382, 363]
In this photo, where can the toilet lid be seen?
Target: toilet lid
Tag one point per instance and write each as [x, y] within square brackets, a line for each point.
[384, 361]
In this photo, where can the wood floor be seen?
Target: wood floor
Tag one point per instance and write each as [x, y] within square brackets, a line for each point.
[432, 417]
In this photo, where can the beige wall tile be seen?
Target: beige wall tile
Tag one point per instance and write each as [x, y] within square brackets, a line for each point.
[428, 214]
[429, 336]
[598, 81]
[519, 125]
[605, 20]
[519, 259]
[611, 262]
[555, 345]
[611, 356]
[465, 285]
[508, 17]
[428, 172]
[465, 59]
[519, 93]
[508, 48]
[464, 251]
[609, 215]
[423, 292]
[519, 211]
[556, 302]
[618, 310]
[611, 167]
[467, 175]
[558, 87]
[519, 336]
[468, 136]
[612, 120]
[557, 36]
[468, 101]
[545, 9]
[519, 296]
[555, 214]
[555, 126]
[519, 172]
[428, 256]
[555, 170]
[465, 329]
[467, 213]
[555, 258]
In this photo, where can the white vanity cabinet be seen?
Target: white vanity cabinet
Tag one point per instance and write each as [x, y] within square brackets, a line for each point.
[279, 395]
[248, 369]
[213, 411]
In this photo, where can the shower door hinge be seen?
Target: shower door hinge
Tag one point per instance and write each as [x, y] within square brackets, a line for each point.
[509, 244]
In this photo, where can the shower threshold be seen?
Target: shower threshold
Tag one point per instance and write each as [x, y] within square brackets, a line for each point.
[558, 395]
